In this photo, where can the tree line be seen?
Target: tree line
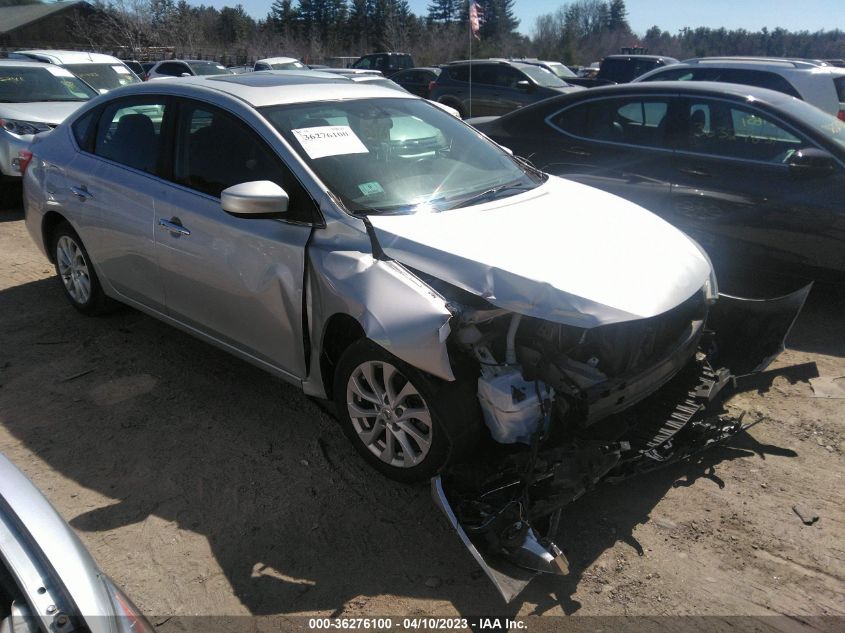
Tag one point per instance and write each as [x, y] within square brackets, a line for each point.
[578, 32]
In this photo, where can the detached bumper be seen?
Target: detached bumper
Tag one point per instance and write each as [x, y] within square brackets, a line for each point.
[497, 508]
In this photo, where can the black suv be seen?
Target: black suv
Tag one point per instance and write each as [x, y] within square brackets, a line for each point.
[620, 69]
[388, 63]
[493, 87]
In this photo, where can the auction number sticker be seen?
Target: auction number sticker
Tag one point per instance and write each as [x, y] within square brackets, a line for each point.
[59, 72]
[120, 70]
[329, 140]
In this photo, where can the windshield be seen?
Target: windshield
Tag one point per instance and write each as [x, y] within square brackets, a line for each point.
[398, 155]
[103, 77]
[33, 84]
[288, 66]
[825, 124]
[209, 69]
[543, 77]
[560, 70]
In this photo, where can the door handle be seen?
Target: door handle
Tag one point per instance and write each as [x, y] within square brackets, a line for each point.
[696, 172]
[173, 226]
[81, 192]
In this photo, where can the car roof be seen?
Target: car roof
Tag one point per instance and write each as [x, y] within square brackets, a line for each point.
[24, 62]
[277, 60]
[736, 92]
[783, 62]
[491, 60]
[270, 87]
[72, 57]
[637, 56]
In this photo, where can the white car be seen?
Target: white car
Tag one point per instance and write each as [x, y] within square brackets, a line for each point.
[820, 85]
[279, 63]
[186, 68]
[34, 98]
[101, 72]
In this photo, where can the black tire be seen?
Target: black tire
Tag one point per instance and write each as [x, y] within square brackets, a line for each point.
[454, 417]
[65, 245]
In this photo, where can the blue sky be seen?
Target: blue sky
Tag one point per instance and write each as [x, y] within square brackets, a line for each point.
[670, 15]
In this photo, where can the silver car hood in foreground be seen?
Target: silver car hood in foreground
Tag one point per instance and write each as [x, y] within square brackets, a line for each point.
[563, 252]
[53, 112]
[59, 545]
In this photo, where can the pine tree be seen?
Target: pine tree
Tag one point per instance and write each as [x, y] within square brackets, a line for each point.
[444, 11]
[618, 16]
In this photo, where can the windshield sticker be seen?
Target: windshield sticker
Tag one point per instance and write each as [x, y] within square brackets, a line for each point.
[121, 70]
[370, 188]
[59, 72]
[329, 140]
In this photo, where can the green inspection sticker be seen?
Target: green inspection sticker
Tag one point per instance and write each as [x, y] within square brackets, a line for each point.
[370, 188]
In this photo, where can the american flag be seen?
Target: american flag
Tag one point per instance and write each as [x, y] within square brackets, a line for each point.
[475, 17]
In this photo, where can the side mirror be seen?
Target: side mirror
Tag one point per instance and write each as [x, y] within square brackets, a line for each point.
[524, 84]
[185, 75]
[811, 162]
[257, 199]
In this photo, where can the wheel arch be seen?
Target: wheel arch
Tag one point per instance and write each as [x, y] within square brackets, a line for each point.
[341, 331]
[49, 222]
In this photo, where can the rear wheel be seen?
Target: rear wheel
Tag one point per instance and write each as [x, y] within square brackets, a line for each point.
[76, 273]
[405, 423]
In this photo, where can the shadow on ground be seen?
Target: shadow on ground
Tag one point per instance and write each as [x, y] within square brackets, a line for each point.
[168, 426]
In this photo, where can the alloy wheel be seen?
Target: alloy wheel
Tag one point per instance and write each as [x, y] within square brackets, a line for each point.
[388, 414]
[73, 269]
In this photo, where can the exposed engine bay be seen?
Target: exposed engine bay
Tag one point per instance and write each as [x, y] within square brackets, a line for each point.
[568, 408]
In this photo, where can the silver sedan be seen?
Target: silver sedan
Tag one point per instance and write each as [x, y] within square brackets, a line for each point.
[449, 299]
[363, 244]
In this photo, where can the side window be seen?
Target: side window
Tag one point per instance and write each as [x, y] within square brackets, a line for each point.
[364, 63]
[759, 78]
[724, 129]
[172, 69]
[572, 120]
[215, 151]
[380, 63]
[484, 74]
[508, 77]
[129, 132]
[262, 66]
[459, 73]
[83, 128]
[637, 121]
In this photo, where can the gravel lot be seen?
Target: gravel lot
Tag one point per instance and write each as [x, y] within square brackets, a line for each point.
[204, 486]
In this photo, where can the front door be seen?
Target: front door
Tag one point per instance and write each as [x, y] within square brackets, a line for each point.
[237, 280]
[734, 192]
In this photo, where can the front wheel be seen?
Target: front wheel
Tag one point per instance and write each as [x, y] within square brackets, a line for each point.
[406, 424]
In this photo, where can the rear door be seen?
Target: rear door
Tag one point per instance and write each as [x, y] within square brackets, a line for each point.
[733, 191]
[236, 280]
[623, 145]
[112, 180]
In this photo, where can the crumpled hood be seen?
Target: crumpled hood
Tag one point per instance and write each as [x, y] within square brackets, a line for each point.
[564, 252]
[53, 112]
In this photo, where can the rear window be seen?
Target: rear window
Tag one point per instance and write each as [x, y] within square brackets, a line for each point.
[103, 77]
[208, 69]
[839, 82]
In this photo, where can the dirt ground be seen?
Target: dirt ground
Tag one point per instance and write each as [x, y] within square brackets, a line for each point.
[204, 486]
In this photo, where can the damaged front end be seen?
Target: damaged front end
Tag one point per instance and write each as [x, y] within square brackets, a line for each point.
[569, 408]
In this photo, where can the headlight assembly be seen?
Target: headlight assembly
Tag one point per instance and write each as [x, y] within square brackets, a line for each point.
[21, 128]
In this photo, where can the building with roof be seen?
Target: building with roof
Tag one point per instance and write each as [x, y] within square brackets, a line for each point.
[44, 25]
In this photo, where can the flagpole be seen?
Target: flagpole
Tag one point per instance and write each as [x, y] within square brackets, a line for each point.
[469, 29]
